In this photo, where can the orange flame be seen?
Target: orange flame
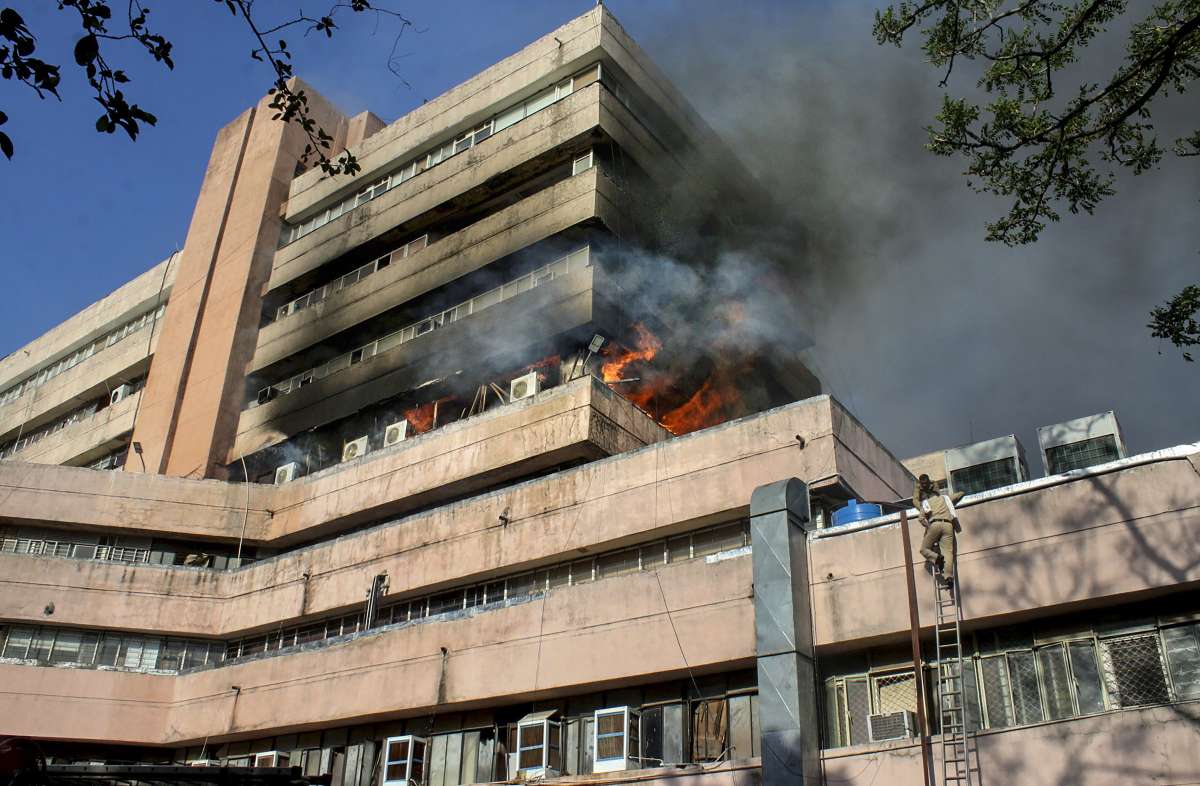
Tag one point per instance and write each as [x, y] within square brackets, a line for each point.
[646, 347]
[420, 417]
[710, 404]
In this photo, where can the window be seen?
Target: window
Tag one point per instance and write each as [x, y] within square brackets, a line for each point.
[1134, 671]
[986, 476]
[17, 644]
[1077, 455]
[1056, 678]
[1026, 697]
[582, 164]
[1088, 689]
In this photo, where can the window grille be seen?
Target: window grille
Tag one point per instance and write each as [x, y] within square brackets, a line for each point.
[894, 693]
[1133, 669]
[986, 476]
[1077, 455]
[1026, 697]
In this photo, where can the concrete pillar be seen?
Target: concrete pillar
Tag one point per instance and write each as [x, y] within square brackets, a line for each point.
[196, 389]
[787, 689]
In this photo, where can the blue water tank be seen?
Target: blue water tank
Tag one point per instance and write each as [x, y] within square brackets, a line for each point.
[856, 511]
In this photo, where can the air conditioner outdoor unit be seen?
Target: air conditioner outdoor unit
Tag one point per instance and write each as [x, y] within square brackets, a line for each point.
[267, 394]
[286, 473]
[354, 449]
[404, 760]
[524, 386]
[539, 746]
[892, 725]
[204, 763]
[271, 759]
[119, 393]
[615, 739]
[396, 432]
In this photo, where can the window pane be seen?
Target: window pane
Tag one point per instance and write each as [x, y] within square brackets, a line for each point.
[994, 678]
[66, 647]
[617, 564]
[716, 540]
[18, 642]
[506, 119]
[1055, 677]
[971, 696]
[835, 715]
[540, 101]
[1134, 668]
[1087, 677]
[858, 708]
[1183, 657]
[1027, 702]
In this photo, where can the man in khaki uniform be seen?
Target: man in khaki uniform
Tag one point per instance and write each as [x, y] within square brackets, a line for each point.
[940, 521]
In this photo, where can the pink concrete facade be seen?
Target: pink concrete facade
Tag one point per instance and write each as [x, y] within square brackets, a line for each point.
[274, 573]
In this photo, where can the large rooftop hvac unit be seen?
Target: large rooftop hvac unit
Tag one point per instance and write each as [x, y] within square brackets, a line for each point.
[1082, 442]
[987, 465]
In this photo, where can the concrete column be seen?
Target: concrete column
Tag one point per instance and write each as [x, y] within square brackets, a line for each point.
[787, 689]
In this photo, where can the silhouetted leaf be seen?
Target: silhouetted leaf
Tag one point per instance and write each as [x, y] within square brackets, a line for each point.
[86, 49]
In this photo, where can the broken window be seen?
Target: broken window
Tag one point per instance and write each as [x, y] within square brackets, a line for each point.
[710, 729]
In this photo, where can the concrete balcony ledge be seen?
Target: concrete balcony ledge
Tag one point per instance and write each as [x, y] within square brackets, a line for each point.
[525, 141]
[565, 303]
[529, 221]
[544, 62]
[584, 637]
[672, 486]
[88, 380]
[86, 440]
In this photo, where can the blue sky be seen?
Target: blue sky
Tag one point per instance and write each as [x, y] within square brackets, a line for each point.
[932, 336]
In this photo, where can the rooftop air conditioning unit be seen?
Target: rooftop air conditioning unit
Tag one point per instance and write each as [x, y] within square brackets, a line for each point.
[119, 393]
[539, 745]
[404, 760]
[892, 725]
[286, 473]
[987, 465]
[354, 449]
[615, 740]
[524, 386]
[1081, 443]
[396, 432]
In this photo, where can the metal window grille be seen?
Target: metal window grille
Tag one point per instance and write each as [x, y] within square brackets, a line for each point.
[894, 693]
[1077, 455]
[986, 476]
[1026, 697]
[1134, 670]
[994, 681]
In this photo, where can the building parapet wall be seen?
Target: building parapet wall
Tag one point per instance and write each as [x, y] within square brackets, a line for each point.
[537, 65]
[1032, 548]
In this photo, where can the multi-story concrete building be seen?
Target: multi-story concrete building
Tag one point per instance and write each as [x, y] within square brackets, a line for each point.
[420, 486]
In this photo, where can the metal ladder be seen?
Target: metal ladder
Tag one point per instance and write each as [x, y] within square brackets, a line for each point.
[952, 715]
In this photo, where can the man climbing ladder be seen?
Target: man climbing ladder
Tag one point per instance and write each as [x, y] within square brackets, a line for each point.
[940, 521]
